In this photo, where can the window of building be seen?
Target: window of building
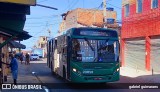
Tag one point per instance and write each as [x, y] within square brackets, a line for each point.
[139, 6]
[154, 4]
[126, 9]
[42, 45]
[44, 39]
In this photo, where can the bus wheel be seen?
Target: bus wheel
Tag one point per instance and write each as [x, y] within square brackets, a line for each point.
[64, 72]
[51, 67]
[53, 73]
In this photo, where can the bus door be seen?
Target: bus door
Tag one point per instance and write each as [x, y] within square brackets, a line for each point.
[69, 45]
[49, 54]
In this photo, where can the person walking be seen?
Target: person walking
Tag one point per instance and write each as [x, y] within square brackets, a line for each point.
[27, 59]
[14, 68]
[21, 57]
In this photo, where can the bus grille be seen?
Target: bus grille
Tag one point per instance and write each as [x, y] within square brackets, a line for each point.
[97, 66]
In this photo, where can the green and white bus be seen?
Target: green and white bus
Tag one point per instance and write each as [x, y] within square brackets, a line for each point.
[85, 55]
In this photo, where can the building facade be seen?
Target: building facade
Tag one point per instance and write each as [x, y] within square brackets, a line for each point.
[140, 35]
[86, 17]
[42, 43]
[12, 19]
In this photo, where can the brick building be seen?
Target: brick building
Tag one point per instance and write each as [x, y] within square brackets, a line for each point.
[140, 35]
[86, 17]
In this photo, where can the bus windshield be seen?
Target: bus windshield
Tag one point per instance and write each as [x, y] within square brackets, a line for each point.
[89, 50]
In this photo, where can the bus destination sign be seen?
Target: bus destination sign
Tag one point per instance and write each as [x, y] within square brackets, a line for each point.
[94, 33]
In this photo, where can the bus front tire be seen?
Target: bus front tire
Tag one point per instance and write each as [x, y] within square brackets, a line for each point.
[64, 72]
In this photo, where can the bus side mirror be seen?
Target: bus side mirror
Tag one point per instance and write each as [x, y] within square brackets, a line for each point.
[119, 47]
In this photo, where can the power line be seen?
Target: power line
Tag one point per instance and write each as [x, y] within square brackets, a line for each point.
[42, 1]
[97, 9]
[34, 23]
[81, 14]
[67, 8]
[68, 5]
[41, 22]
[42, 17]
[114, 6]
[74, 4]
[49, 7]
[46, 27]
[111, 5]
[43, 25]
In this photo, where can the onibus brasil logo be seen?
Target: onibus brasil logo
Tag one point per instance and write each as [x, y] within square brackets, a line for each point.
[28, 86]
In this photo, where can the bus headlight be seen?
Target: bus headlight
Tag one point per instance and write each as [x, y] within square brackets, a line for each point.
[115, 72]
[74, 70]
[117, 69]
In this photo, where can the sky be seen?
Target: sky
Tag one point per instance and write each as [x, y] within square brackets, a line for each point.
[41, 19]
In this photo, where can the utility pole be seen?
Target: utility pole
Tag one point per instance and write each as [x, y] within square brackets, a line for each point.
[49, 32]
[104, 11]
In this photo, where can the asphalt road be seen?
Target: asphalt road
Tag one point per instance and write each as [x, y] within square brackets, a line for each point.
[56, 84]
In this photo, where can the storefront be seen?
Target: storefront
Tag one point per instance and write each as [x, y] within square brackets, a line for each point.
[12, 19]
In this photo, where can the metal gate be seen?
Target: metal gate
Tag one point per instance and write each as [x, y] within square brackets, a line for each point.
[135, 54]
[155, 54]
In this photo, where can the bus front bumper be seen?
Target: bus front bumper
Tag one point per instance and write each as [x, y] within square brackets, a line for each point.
[78, 78]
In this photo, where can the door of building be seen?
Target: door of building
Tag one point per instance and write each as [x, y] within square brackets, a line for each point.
[135, 54]
[155, 54]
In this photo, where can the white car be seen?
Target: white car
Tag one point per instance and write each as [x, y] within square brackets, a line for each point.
[34, 57]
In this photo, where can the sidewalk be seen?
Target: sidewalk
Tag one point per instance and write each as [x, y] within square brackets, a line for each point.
[24, 73]
[127, 75]
[25, 76]
[130, 75]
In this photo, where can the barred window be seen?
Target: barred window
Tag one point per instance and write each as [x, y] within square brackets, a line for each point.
[127, 10]
[139, 6]
[154, 4]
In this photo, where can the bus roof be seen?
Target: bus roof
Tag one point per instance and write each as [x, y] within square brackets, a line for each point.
[70, 31]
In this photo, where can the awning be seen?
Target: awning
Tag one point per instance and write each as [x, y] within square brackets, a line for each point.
[14, 44]
[12, 20]
[23, 35]
[24, 2]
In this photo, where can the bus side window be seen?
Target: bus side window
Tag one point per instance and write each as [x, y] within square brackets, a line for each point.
[58, 45]
[64, 53]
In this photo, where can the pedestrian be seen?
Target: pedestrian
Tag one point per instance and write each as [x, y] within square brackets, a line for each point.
[14, 68]
[27, 59]
[21, 57]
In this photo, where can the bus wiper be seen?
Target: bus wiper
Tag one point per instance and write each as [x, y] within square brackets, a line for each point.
[95, 59]
[89, 44]
[102, 45]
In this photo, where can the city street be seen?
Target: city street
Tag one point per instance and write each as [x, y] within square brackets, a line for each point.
[45, 76]
[83, 41]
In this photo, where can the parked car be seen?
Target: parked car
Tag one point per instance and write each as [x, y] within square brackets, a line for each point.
[34, 57]
[38, 51]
